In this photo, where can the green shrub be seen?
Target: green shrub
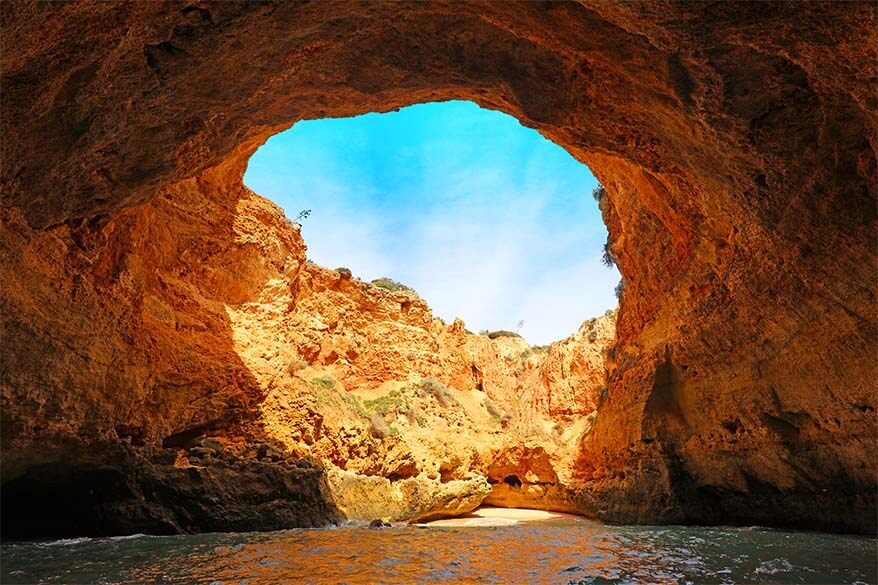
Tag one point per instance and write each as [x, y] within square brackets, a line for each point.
[392, 285]
[598, 193]
[383, 405]
[329, 392]
[620, 288]
[325, 391]
[354, 403]
[608, 259]
[344, 272]
[323, 384]
[502, 333]
[525, 354]
[436, 389]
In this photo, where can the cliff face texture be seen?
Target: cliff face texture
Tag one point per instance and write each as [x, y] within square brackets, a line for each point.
[162, 335]
[262, 391]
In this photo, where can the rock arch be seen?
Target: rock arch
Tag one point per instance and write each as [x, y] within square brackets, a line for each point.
[737, 144]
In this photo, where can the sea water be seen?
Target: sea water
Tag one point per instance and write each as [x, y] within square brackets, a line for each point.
[563, 551]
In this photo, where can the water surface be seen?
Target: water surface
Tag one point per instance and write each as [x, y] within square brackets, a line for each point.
[557, 551]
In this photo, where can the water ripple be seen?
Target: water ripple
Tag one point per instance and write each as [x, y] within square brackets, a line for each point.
[578, 553]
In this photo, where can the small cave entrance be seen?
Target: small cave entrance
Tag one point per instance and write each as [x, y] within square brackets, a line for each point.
[64, 501]
[512, 481]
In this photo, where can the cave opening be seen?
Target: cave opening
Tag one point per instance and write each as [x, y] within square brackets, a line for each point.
[448, 210]
[71, 499]
[512, 481]
[482, 217]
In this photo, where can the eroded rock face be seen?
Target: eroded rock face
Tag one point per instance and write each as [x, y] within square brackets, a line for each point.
[736, 142]
[242, 360]
[409, 415]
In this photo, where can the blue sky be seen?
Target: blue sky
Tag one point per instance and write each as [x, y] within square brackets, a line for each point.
[484, 218]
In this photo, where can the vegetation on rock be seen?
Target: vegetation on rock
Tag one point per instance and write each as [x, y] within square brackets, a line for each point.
[608, 258]
[433, 387]
[502, 333]
[393, 286]
[383, 405]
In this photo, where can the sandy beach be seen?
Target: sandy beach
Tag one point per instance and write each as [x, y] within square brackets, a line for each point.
[501, 517]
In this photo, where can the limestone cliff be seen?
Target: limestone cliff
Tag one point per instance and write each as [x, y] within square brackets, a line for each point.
[737, 144]
[404, 411]
[245, 354]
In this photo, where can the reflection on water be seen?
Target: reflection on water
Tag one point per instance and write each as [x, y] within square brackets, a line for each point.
[577, 552]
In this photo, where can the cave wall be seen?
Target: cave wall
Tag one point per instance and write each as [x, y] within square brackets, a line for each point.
[736, 141]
